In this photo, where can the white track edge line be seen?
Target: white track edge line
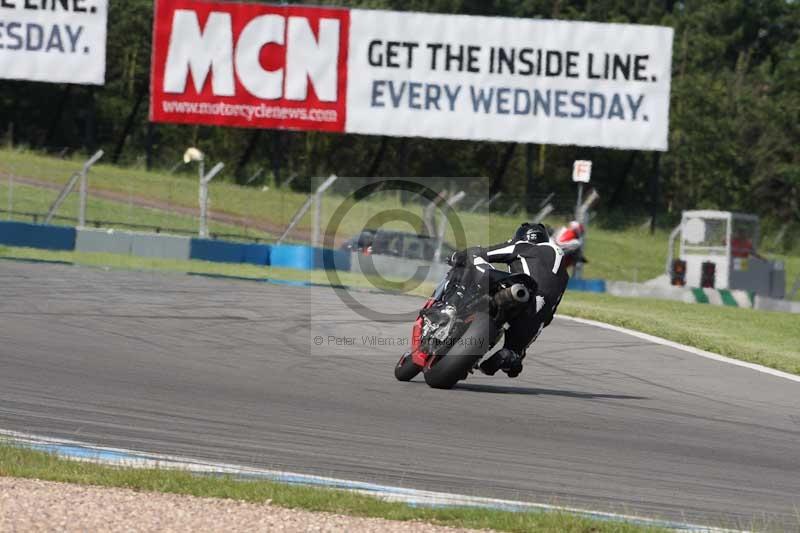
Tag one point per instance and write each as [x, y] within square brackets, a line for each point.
[387, 493]
[685, 348]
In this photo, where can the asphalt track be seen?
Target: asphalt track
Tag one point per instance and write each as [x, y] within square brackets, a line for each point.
[229, 371]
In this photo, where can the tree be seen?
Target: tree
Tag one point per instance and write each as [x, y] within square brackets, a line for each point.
[734, 125]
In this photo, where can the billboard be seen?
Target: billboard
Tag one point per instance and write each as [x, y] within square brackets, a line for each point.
[54, 41]
[411, 74]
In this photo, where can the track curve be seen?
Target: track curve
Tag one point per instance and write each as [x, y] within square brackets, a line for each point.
[227, 370]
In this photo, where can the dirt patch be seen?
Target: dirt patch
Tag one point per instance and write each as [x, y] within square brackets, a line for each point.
[32, 505]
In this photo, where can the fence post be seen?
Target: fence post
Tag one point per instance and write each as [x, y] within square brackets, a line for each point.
[10, 194]
[317, 230]
[83, 197]
[204, 181]
[316, 196]
[317, 221]
[512, 209]
[543, 212]
[85, 186]
[477, 205]
[296, 217]
[452, 201]
[254, 176]
[71, 185]
[492, 200]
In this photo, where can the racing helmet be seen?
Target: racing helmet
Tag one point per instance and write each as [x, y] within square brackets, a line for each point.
[533, 233]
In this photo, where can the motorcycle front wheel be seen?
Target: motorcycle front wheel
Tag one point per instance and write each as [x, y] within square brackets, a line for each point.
[406, 370]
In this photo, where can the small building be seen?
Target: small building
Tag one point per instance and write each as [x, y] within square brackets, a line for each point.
[718, 249]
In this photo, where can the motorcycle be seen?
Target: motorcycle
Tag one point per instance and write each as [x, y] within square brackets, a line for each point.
[461, 322]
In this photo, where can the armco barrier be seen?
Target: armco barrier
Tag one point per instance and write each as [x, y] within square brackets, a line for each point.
[162, 246]
[217, 251]
[308, 258]
[132, 243]
[257, 254]
[587, 285]
[230, 252]
[325, 258]
[292, 256]
[103, 241]
[37, 236]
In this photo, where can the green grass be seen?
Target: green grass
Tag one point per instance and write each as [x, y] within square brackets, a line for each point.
[24, 463]
[766, 338]
[630, 254]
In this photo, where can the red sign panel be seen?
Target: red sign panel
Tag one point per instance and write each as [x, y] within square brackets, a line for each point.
[249, 65]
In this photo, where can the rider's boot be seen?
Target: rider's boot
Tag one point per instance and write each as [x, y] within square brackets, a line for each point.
[506, 360]
[514, 367]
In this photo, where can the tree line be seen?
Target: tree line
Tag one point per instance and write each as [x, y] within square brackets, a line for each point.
[734, 124]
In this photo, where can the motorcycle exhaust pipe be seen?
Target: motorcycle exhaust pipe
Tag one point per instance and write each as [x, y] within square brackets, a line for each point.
[517, 293]
[520, 293]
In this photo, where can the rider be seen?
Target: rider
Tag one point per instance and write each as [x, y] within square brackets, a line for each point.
[570, 239]
[531, 252]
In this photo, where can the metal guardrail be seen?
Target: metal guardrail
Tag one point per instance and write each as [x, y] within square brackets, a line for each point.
[37, 218]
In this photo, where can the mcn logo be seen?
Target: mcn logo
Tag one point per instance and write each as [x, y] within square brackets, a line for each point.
[249, 65]
[196, 51]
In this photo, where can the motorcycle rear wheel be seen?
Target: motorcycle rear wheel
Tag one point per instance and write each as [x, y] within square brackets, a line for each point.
[459, 360]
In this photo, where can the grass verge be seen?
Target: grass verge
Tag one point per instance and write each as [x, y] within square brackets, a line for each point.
[766, 338]
[26, 463]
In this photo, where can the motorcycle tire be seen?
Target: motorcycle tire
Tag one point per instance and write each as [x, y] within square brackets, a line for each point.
[448, 370]
[406, 369]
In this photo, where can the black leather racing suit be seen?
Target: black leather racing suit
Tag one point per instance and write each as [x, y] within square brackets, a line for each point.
[544, 262]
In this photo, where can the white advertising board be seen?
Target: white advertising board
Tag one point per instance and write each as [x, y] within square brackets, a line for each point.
[411, 74]
[506, 79]
[59, 41]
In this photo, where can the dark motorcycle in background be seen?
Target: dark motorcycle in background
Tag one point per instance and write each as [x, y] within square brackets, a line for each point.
[461, 322]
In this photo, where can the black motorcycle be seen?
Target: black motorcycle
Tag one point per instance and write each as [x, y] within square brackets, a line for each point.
[461, 322]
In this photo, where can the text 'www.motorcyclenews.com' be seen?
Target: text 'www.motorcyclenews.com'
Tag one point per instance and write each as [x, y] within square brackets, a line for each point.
[250, 112]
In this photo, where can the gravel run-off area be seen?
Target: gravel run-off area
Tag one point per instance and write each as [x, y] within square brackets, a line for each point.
[31, 505]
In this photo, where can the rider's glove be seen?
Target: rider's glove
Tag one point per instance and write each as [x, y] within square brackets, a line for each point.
[461, 258]
[458, 258]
